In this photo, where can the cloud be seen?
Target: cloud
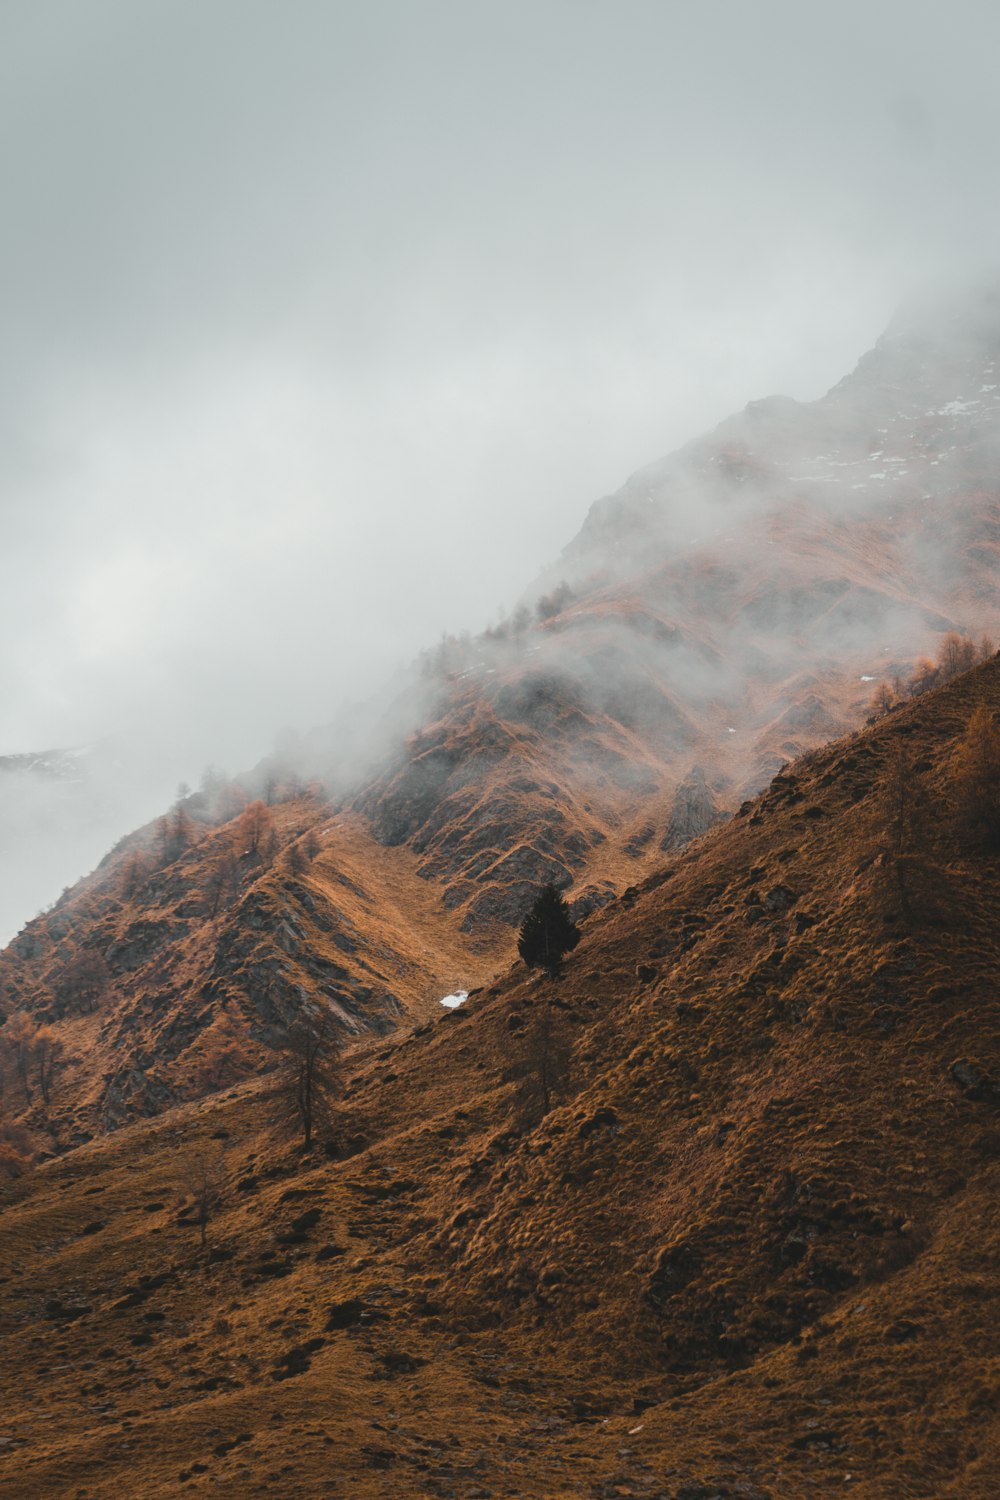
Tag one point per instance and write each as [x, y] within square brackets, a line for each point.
[323, 325]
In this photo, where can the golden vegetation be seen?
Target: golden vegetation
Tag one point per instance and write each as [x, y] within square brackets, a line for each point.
[746, 1250]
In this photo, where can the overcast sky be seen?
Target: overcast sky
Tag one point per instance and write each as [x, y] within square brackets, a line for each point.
[323, 323]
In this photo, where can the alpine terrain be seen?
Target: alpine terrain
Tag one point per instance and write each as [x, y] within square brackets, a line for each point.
[709, 1208]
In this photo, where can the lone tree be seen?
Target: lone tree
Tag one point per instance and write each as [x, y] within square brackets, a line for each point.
[207, 1189]
[48, 1050]
[548, 932]
[312, 1075]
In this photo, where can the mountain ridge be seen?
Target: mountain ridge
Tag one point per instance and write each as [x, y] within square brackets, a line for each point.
[572, 745]
[746, 1252]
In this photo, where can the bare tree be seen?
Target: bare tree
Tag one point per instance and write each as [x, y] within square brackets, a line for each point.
[175, 833]
[312, 1079]
[19, 1035]
[883, 699]
[48, 1049]
[925, 676]
[207, 1188]
[956, 655]
[255, 831]
[222, 880]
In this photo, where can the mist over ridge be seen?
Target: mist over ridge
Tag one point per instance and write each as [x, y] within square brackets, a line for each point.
[818, 570]
[330, 360]
[499, 749]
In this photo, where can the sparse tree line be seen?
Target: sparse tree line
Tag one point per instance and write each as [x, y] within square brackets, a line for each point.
[32, 1052]
[456, 654]
[956, 654]
[246, 843]
[309, 1079]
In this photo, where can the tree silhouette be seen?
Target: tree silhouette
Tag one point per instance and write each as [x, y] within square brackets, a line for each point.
[312, 1075]
[548, 932]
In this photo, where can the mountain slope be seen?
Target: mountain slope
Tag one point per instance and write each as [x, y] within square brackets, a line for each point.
[169, 974]
[749, 1251]
[730, 608]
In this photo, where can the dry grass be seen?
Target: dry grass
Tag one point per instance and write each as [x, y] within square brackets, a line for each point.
[754, 1250]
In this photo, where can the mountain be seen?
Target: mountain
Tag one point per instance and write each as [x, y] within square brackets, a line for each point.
[730, 608]
[748, 1251]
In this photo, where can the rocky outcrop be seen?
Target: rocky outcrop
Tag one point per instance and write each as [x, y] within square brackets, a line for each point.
[693, 811]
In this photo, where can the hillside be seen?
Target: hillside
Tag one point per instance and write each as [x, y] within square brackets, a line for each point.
[731, 607]
[662, 675]
[177, 967]
[748, 1252]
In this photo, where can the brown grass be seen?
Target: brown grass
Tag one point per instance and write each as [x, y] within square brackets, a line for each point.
[753, 1250]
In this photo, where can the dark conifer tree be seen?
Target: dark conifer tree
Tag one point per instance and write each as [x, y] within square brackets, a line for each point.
[548, 932]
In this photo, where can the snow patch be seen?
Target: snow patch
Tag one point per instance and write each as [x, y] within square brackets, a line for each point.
[454, 1001]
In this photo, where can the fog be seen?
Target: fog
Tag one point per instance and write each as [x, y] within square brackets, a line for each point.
[325, 323]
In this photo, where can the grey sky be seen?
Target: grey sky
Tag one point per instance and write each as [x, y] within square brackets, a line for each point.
[323, 323]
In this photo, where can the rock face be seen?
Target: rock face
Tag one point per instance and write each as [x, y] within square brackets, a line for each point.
[692, 812]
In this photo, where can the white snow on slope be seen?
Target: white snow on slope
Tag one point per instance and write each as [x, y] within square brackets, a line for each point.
[454, 1001]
